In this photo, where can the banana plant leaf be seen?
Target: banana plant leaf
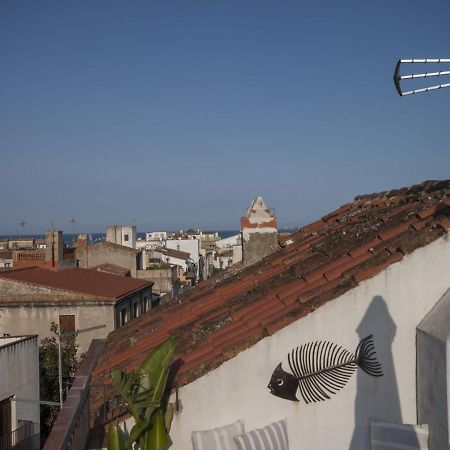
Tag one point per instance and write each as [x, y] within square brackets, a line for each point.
[157, 438]
[154, 370]
[137, 431]
[168, 416]
[116, 438]
[143, 391]
[128, 386]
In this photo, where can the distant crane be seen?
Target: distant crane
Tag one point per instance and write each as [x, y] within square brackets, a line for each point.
[398, 77]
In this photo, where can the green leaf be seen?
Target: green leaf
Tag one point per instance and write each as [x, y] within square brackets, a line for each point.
[124, 382]
[137, 431]
[157, 437]
[143, 391]
[154, 369]
[116, 438]
[168, 416]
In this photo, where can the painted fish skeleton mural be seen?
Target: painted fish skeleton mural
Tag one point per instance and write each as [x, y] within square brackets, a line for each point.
[320, 369]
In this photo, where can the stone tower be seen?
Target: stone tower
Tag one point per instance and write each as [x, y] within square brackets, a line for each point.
[259, 232]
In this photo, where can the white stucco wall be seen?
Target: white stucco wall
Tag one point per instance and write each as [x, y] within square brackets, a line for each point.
[433, 372]
[228, 242]
[191, 246]
[19, 377]
[390, 305]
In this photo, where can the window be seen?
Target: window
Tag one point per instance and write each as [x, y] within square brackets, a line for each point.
[125, 237]
[135, 309]
[67, 326]
[144, 304]
[123, 316]
[155, 301]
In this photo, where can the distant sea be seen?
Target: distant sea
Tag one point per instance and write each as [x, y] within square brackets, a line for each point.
[98, 237]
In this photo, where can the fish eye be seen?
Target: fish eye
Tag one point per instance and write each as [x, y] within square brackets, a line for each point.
[280, 382]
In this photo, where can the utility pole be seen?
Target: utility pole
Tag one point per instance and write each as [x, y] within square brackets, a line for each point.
[398, 77]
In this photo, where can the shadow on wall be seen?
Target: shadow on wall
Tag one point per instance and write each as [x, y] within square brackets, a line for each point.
[376, 397]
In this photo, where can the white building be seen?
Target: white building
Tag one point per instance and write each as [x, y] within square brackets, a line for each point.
[191, 246]
[228, 251]
[377, 266]
[122, 235]
[170, 256]
[228, 242]
[19, 392]
[156, 236]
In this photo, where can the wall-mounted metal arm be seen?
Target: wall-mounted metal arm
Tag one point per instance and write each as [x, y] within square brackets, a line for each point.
[398, 77]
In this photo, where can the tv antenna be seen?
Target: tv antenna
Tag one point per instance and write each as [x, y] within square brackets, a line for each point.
[440, 73]
[22, 227]
[73, 221]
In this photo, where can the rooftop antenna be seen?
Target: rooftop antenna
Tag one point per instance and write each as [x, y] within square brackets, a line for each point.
[22, 226]
[398, 77]
[53, 244]
[73, 221]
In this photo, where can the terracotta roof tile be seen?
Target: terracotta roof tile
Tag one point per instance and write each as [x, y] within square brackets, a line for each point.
[340, 212]
[374, 270]
[226, 314]
[314, 227]
[419, 225]
[391, 232]
[339, 270]
[275, 325]
[364, 248]
[84, 281]
[427, 212]
[445, 224]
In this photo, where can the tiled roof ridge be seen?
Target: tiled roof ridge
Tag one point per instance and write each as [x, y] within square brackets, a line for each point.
[50, 298]
[226, 314]
[426, 186]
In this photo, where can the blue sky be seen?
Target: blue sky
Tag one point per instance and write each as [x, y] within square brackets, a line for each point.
[176, 114]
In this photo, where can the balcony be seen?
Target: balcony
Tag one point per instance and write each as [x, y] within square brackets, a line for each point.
[26, 437]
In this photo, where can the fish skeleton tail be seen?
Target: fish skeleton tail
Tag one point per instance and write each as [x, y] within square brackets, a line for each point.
[365, 357]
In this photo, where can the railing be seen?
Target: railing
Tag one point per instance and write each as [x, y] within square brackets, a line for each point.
[26, 437]
[71, 429]
[30, 255]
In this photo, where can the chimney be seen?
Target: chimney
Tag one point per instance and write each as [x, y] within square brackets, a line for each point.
[82, 240]
[54, 246]
[259, 232]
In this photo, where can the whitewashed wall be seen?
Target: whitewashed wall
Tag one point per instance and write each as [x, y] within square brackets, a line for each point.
[19, 377]
[390, 306]
[191, 246]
